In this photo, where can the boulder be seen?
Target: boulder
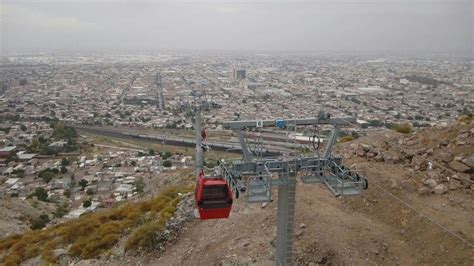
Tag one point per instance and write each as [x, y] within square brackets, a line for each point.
[465, 179]
[445, 156]
[424, 191]
[353, 147]
[429, 151]
[440, 189]
[459, 167]
[379, 157]
[394, 184]
[430, 183]
[59, 252]
[370, 154]
[411, 142]
[391, 157]
[419, 163]
[463, 136]
[469, 161]
[360, 151]
[366, 147]
[454, 184]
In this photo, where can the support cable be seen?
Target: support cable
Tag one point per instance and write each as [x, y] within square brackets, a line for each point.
[447, 230]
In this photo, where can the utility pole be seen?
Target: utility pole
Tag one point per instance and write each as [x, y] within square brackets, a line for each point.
[197, 131]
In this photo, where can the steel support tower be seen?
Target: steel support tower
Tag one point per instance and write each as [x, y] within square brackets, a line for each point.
[255, 177]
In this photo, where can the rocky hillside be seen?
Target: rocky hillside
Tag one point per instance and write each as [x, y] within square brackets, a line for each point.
[16, 214]
[441, 158]
[418, 210]
[130, 227]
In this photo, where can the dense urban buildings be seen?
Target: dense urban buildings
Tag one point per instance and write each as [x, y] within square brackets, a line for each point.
[155, 91]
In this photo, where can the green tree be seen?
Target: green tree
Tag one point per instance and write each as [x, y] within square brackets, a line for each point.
[65, 162]
[139, 185]
[83, 184]
[90, 191]
[166, 155]
[61, 131]
[63, 170]
[23, 127]
[47, 176]
[167, 163]
[19, 173]
[41, 194]
[39, 222]
[151, 152]
[354, 135]
[210, 163]
[61, 210]
[86, 203]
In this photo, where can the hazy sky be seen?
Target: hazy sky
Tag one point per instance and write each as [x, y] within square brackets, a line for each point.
[346, 26]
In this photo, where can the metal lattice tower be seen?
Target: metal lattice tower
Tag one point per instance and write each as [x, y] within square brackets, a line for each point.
[256, 176]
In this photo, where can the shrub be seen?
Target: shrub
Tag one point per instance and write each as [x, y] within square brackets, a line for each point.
[86, 203]
[90, 191]
[19, 173]
[167, 163]
[139, 185]
[94, 233]
[63, 170]
[65, 162]
[404, 128]
[83, 184]
[346, 139]
[210, 163]
[467, 119]
[151, 152]
[41, 194]
[46, 175]
[144, 236]
[39, 222]
[60, 211]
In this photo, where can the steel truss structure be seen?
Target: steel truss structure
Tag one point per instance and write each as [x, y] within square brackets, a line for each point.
[255, 177]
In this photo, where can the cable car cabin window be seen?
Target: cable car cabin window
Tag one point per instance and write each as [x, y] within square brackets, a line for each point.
[215, 197]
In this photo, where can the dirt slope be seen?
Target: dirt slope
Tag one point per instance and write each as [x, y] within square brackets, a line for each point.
[401, 219]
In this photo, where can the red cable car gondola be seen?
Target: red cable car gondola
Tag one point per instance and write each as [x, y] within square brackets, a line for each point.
[213, 197]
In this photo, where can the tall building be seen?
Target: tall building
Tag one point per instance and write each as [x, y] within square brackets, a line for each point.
[239, 74]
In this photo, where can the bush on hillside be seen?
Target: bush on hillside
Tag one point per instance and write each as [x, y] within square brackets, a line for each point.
[39, 222]
[346, 139]
[94, 233]
[404, 128]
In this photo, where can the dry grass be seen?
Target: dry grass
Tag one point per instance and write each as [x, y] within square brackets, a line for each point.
[94, 233]
[346, 139]
[404, 128]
